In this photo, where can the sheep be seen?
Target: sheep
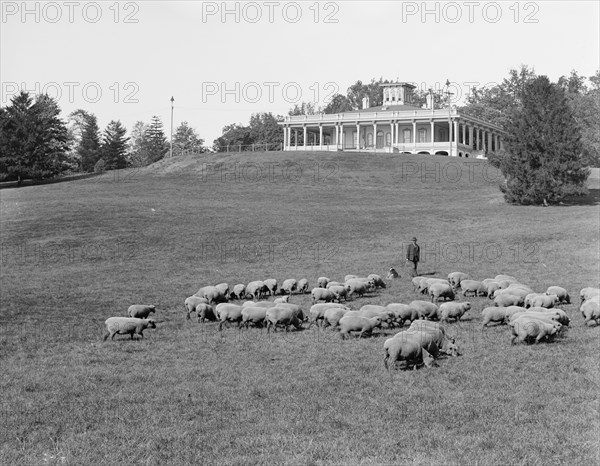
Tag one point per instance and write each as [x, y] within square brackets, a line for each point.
[494, 314]
[425, 309]
[288, 286]
[416, 281]
[212, 294]
[333, 283]
[438, 333]
[518, 289]
[505, 300]
[546, 301]
[332, 316]
[563, 295]
[190, 304]
[358, 324]
[253, 314]
[509, 278]
[456, 277]
[283, 299]
[409, 347]
[229, 313]
[340, 290]
[141, 311]
[322, 282]
[350, 277]
[239, 291]
[223, 288]
[127, 325]
[392, 274]
[474, 287]
[557, 315]
[302, 286]
[529, 298]
[256, 289]
[588, 293]
[377, 280]
[358, 286]
[453, 310]
[491, 288]
[282, 316]
[271, 285]
[590, 310]
[441, 290]
[527, 327]
[511, 310]
[371, 310]
[425, 284]
[403, 312]
[317, 311]
[205, 311]
[323, 294]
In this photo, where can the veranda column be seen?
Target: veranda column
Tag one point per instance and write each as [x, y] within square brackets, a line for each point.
[471, 142]
[397, 133]
[432, 133]
[296, 138]
[456, 138]
[476, 138]
[464, 139]
[375, 136]
[358, 135]
[304, 134]
[414, 132]
[489, 141]
[483, 140]
[321, 137]
[392, 134]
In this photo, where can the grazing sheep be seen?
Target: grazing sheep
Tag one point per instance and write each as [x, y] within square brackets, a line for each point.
[340, 290]
[371, 310]
[288, 286]
[453, 310]
[229, 313]
[350, 277]
[509, 278]
[282, 316]
[511, 310]
[473, 287]
[333, 283]
[557, 315]
[212, 294]
[526, 328]
[283, 299]
[435, 330]
[302, 285]
[518, 289]
[317, 311]
[256, 289]
[505, 300]
[590, 310]
[403, 312]
[377, 280]
[416, 281]
[191, 303]
[253, 315]
[494, 314]
[392, 274]
[205, 312]
[271, 285]
[425, 284]
[491, 288]
[223, 288]
[332, 316]
[546, 301]
[127, 325]
[358, 286]
[323, 294]
[529, 298]
[425, 309]
[322, 282]
[239, 291]
[358, 324]
[560, 292]
[454, 278]
[409, 347]
[141, 311]
[441, 290]
[588, 293]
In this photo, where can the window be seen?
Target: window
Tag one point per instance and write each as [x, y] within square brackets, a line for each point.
[406, 136]
[422, 135]
[443, 135]
[388, 139]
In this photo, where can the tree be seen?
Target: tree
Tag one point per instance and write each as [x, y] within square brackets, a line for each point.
[186, 139]
[76, 122]
[233, 136]
[358, 90]
[543, 161]
[33, 140]
[305, 108]
[265, 130]
[156, 144]
[89, 145]
[114, 146]
[338, 104]
[136, 156]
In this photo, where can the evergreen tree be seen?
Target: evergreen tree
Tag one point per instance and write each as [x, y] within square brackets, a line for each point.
[265, 130]
[114, 146]
[543, 161]
[156, 145]
[186, 139]
[136, 155]
[89, 145]
[233, 136]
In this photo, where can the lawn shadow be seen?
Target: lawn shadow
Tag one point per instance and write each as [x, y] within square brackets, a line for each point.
[590, 199]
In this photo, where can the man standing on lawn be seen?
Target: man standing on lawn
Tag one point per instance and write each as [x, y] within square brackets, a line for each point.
[412, 255]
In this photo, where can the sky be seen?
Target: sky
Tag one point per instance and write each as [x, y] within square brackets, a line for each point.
[224, 61]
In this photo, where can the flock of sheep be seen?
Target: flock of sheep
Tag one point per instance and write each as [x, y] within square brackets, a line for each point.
[531, 316]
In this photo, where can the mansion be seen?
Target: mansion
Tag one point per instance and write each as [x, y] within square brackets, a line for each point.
[397, 126]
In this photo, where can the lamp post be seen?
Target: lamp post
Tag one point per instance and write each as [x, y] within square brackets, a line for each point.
[171, 150]
[448, 94]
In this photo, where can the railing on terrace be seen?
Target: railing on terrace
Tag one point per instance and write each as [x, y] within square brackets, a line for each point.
[369, 116]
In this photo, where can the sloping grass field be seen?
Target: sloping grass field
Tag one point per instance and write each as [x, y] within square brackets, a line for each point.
[76, 253]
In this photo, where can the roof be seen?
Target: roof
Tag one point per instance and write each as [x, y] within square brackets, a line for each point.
[391, 108]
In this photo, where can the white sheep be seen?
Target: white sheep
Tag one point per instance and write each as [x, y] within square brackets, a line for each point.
[340, 290]
[239, 291]
[257, 289]
[322, 282]
[253, 314]
[441, 290]
[358, 286]
[453, 310]
[141, 311]
[271, 284]
[204, 312]
[546, 301]
[288, 286]
[212, 294]
[127, 325]
[332, 316]
[283, 299]
[505, 300]
[317, 311]
[425, 309]
[474, 287]
[191, 302]
[588, 293]
[377, 280]
[358, 324]
[223, 288]
[282, 316]
[403, 312]
[456, 277]
[323, 294]
[302, 286]
[590, 310]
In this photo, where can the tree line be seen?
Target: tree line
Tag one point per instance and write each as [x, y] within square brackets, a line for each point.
[36, 143]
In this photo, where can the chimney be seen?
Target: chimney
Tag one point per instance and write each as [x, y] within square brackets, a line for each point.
[365, 102]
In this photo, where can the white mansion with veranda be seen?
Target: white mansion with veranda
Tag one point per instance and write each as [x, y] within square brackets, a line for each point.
[397, 126]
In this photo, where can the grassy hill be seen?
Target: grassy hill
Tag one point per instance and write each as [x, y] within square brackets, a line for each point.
[76, 253]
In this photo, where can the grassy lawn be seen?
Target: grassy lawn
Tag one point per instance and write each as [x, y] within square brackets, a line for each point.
[76, 253]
